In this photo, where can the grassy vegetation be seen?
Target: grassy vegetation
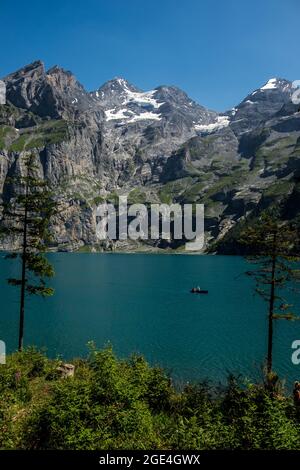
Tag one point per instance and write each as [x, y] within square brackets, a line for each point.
[201, 189]
[50, 132]
[191, 170]
[193, 193]
[274, 153]
[9, 112]
[224, 183]
[82, 187]
[113, 198]
[19, 144]
[85, 249]
[98, 200]
[126, 404]
[213, 208]
[279, 189]
[173, 189]
[137, 196]
[6, 133]
[296, 151]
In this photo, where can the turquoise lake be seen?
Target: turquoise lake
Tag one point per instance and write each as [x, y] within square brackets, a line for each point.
[141, 303]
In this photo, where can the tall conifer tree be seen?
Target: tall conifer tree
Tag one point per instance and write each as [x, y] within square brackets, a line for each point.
[27, 216]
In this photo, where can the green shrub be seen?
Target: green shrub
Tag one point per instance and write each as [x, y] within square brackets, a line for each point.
[127, 404]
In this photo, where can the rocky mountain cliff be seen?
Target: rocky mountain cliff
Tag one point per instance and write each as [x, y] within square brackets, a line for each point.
[154, 146]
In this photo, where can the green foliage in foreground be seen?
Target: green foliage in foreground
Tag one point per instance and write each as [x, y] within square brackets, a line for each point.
[126, 404]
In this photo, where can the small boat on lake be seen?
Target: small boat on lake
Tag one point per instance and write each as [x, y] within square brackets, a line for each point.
[197, 290]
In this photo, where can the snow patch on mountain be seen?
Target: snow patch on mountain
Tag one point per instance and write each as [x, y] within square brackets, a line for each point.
[133, 105]
[143, 98]
[222, 121]
[146, 115]
[114, 113]
[130, 116]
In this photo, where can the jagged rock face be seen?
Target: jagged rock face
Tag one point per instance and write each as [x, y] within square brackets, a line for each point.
[24, 85]
[261, 105]
[196, 155]
[146, 127]
[56, 93]
[155, 146]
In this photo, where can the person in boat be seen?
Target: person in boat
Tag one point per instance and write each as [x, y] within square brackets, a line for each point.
[196, 289]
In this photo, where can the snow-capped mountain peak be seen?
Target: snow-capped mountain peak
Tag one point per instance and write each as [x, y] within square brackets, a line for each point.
[276, 83]
[125, 102]
[270, 85]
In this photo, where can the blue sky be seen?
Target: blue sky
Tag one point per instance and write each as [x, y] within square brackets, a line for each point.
[217, 51]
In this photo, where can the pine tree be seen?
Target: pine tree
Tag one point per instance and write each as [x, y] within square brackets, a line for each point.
[27, 215]
[272, 246]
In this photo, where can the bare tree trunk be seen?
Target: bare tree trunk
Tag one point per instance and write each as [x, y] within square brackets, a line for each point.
[23, 277]
[271, 309]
